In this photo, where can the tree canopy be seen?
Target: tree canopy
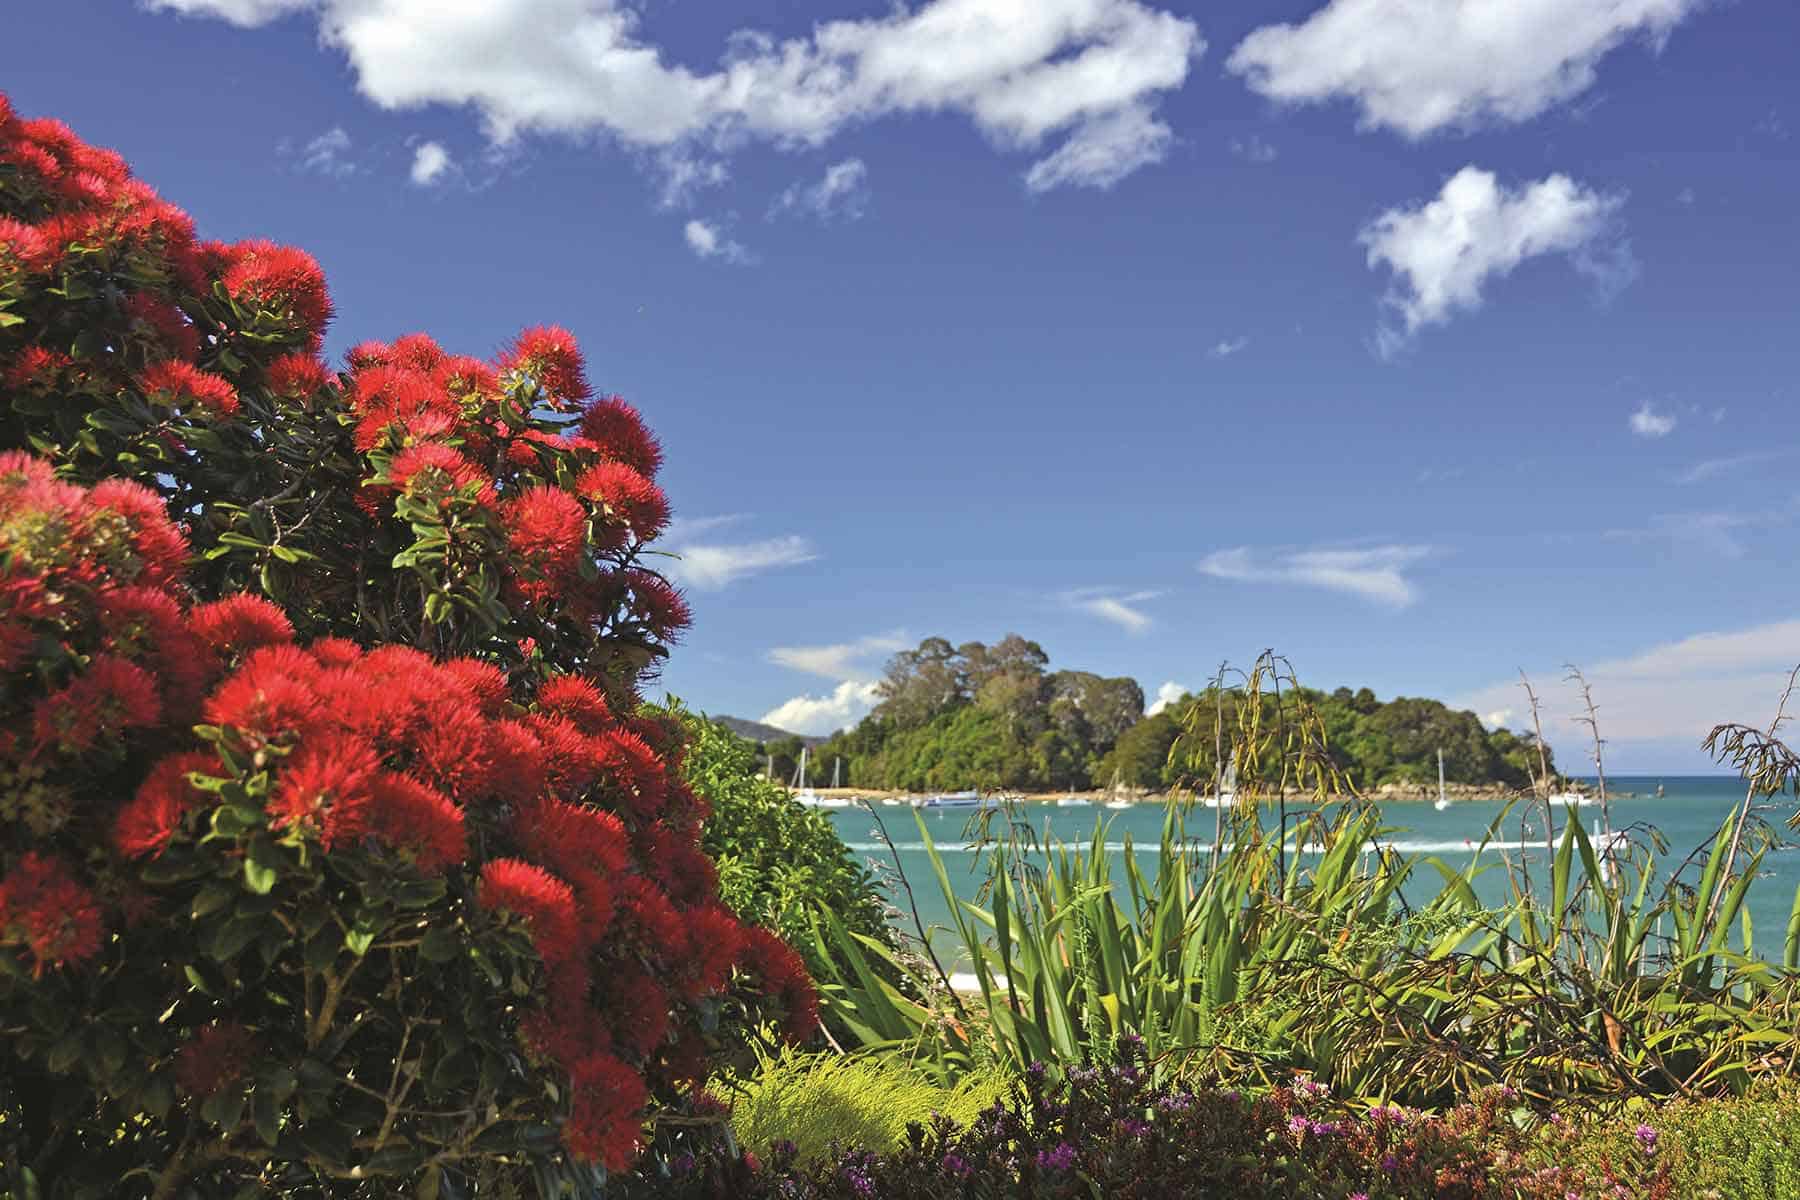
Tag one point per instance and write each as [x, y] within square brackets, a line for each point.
[998, 716]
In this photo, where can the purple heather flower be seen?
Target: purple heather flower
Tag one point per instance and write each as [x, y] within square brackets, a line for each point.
[859, 1181]
[1389, 1163]
[1059, 1159]
[1174, 1102]
[1646, 1137]
[1359, 1196]
[1297, 1126]
[1135, 1127]
[683, 1164]
[956, 1164]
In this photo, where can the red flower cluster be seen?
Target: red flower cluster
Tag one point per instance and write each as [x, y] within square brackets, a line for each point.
[218, 1057]
[493, 443]
[47, 911]
[90, 601]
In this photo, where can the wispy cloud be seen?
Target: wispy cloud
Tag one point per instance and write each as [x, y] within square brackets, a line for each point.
[842, 193]
[1712, 467]
[328, 154]
[707, 240]
[843, 660]
[1254, 149]
[1229, 347]
[1111, 606]
[431, 163]
[1714, 532]
[1374, 573]
[1646, 422]
[1675, 690]
[712, 564]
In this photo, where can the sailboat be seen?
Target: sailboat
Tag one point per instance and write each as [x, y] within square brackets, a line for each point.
[1571, 799]
[803, 791]
[1073, 802]
[1226, 796]
[1115, 793]
[1443, 801]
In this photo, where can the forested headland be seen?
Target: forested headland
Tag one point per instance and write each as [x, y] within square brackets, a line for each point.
[998, 717]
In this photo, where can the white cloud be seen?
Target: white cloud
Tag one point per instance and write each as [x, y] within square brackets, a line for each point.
[711, 564]
[842, 661]
[846, 704]
[1023, 71]
[1708, 468]
[1166, 695]
[706, 239]
[430, 162]
[843, 192]
[326, 154]
[1444, 252]
[685, 174]
[1648, 423]
[1498, 718]
[1112, 607]
[244, 13]
[708, 567]
[1103, 151]
[1675, 691]
[1420, 66]
[1229, 347]
[1375, 573]
[1254, 149]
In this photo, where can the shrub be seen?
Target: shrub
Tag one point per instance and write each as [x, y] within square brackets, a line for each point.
[1109, 1131]
[816, 1103]
[334, 855]
[777, 861]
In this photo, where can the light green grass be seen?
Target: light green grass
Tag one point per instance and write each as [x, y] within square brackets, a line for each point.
[814, 1100]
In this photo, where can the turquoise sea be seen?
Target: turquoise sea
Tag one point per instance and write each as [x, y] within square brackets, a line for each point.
[1686, 816]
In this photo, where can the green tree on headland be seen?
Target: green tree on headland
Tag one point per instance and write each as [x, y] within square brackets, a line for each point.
[997, 717]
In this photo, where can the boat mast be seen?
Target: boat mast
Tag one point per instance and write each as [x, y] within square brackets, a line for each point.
[1440, 775]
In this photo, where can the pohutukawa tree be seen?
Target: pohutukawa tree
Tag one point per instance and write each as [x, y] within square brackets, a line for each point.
[334, 852]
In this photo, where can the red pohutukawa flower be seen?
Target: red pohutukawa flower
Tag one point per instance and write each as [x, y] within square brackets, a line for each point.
[549, 355]
[606, 1111]
[328, 786]
[236, 625]
[44, 909]
[782, 974]
[109, 698]
[180, 385]
[282, 278]
[577, 701]
[657, 602]
[436, 468]
[418, 821]
[160, 551]
[541, 900]
[615, 427]
[545, 526]
[296, 376]
[150, 819]
[218, 1057]
[629, 498]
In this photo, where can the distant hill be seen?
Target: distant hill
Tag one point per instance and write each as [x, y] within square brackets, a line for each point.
[756, 731]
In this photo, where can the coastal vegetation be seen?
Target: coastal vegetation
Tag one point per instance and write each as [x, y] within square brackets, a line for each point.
[998, 718]
[340, 855]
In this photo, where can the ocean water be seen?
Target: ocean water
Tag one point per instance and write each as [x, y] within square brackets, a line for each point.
[1686, 817]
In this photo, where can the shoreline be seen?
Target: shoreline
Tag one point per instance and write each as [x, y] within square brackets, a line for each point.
[1387, 794]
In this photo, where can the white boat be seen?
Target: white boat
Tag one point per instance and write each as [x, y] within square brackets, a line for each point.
[1443, 801]
[893, 802]
[810, 799]
[970, 799]
[1119, 802]
[1226, 796]
[1074, 802]
[1572, 799]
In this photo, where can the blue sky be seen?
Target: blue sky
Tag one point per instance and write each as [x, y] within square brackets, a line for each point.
[1424, 340]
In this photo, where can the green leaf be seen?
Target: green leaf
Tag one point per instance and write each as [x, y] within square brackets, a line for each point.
[440, 944]
[258, 878]
[236, 934]
[358, 941]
